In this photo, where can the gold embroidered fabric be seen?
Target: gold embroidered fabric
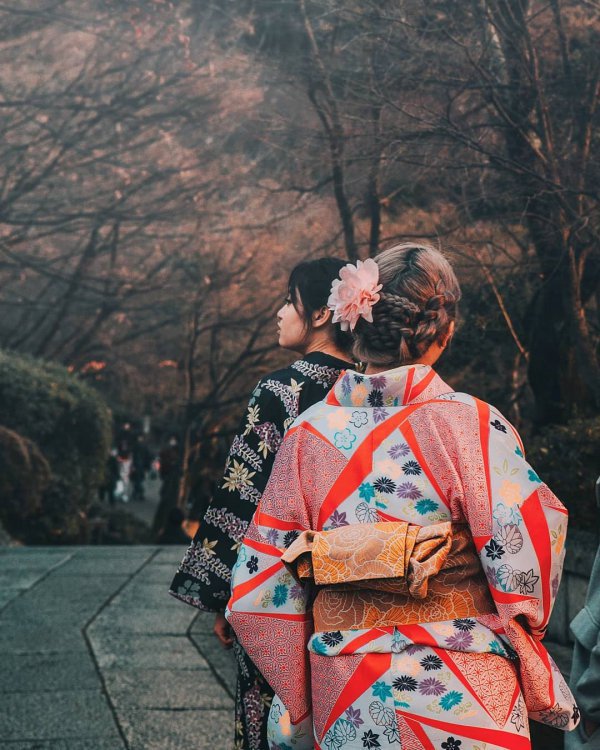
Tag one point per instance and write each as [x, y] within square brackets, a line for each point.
[390, 573]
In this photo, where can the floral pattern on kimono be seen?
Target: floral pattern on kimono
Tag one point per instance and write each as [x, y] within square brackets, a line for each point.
[203, 578]
[401, 446]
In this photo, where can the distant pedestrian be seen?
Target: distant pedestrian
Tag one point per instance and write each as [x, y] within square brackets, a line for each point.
[111, 477]
[141, 462]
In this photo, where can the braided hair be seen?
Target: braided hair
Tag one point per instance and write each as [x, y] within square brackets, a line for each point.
[418, 301]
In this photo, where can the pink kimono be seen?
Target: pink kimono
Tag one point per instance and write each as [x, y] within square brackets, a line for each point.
[396, 582]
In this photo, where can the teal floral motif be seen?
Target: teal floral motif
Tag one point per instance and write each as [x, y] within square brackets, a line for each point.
[344, 439]
[451, 699]
[381, 690]
[366, 491]
[426, 506]
[533, 477]
[318, 647]
[496, 648]
[519, 452]
[280, 595]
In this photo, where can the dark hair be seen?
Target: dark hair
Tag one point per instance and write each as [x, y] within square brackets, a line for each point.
[417, 303]
[309, 287]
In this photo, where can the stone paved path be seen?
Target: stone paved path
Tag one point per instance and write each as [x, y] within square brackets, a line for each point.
[95, 655]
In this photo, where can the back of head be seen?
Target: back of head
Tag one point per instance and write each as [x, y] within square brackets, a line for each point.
[418, 302]
[309, 287]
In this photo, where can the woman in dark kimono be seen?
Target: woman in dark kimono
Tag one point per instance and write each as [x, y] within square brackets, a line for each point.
[204, 576]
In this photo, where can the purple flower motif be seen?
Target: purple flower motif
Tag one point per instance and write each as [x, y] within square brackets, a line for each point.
[431, 686]
[460, 641]
[353, 716]
[270, 435]
[379, 414]
[408, 490]
[337, 519]
[296, 592]
[379, 381]
[492, 576]
[272, 536]
[398, 451]
[346, 385]
[414, 648]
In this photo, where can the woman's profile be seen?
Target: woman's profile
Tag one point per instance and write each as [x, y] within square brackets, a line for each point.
[397, 579]
[203, 579]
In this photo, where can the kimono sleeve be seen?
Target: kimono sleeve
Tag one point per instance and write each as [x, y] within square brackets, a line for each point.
[268, 608]
[519, 528]
[203, 578]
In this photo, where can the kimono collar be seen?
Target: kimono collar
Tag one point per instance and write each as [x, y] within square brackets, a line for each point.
[397, 387]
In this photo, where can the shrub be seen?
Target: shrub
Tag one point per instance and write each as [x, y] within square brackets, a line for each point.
[24, 475]
[71, 426]
[566, 458]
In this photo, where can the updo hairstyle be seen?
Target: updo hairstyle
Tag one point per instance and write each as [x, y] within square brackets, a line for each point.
[309, 287]
[418, 301]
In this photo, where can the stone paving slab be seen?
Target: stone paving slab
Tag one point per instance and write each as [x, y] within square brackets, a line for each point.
[68, 714]
[47, 671]
[91, 743]
[163, 689]
[179, 653]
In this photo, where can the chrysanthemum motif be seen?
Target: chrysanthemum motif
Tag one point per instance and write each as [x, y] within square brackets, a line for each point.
[451, 699]
[460, 641]
[412, 468]
[375, 398]
[332, 639]
[425, 506]
[431, 662]
[464, 624]
[405, 683]
[280, 595]
[408, 490]
[431, 686]
[384, 484]
[290, 537]
[378, 381]
[400, 450]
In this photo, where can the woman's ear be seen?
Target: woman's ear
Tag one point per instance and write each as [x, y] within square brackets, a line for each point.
[321, 316]
[448, 337]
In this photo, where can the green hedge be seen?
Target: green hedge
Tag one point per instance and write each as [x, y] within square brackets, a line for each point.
[71, 426]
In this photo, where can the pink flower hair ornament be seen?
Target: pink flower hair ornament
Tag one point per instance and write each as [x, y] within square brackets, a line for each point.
[354, 293]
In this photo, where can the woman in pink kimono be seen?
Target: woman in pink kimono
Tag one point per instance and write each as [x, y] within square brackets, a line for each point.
[422, 555]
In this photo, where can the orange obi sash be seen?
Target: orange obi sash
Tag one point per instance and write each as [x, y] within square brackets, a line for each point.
[390, 573]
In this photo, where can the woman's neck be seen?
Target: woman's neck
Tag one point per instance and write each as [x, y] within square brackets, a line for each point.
[327, 347]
